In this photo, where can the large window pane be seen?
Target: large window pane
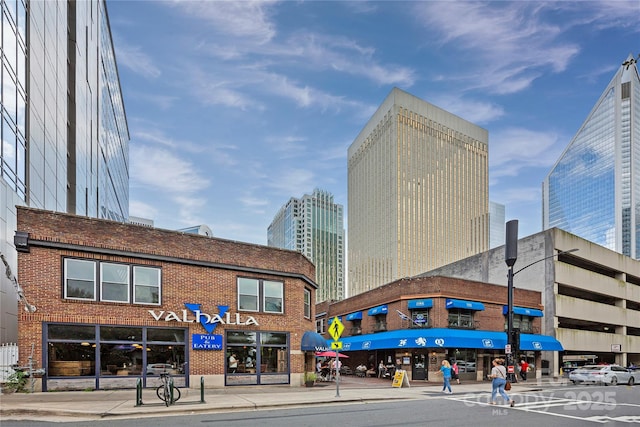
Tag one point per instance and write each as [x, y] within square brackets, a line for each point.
[80, 279]
[247, 294]
[274, 359]
[71, 359]
[307, 303]
[273, 297]
[117, 333]
[114, 282]
[162, 357]
[121, 359]
[165, 335]
[72, 332]
[241, 338]
[146, 285]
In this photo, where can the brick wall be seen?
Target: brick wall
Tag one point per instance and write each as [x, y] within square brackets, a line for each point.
[397, 294]
[40, 273]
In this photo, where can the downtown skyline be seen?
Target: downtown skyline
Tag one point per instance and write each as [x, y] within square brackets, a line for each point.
[234, 107]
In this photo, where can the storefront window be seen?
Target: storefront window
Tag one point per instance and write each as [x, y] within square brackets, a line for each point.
[71, 359]
[251, 356]
[466, 360]
[123, 351]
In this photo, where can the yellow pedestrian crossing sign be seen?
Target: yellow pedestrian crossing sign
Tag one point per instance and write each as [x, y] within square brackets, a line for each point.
[336, 328]
[336, 345]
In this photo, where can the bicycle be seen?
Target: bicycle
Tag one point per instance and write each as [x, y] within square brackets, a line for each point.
[167, 392]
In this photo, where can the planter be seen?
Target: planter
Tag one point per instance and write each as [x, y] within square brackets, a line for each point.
[309, 383]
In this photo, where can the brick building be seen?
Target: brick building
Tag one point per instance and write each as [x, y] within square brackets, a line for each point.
[118, 302]
[415, 323]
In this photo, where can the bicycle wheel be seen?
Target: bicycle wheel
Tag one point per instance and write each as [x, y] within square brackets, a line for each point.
[163, 394]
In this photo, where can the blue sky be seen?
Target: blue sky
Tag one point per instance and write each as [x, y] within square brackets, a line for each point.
[236, 106]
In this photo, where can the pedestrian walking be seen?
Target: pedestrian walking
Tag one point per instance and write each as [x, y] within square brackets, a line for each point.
[454, 372]
[446, 376]
[524, 368]
[499, 379]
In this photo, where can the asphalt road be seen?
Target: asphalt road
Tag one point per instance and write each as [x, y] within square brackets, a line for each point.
[557, 406]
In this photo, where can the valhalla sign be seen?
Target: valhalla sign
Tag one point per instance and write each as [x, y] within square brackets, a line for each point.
[208, 321]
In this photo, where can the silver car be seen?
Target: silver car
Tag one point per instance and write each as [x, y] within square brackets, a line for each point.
[602, 374]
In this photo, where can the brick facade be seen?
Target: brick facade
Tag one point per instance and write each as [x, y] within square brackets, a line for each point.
[195, 269]
[396, 296]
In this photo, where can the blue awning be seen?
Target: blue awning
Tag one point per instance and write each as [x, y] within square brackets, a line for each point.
[539, 343]
[468, 305]
[354, 316]
[426, 338]
[446, 338]
[420, 303]
[313, 341]
[523, 311]
[381, 309]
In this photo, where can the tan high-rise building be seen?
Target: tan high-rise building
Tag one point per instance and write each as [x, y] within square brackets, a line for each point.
[418, 192]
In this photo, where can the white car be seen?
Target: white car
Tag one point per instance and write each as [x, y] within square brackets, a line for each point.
[467, 366]
[158, 368]
[602, 374]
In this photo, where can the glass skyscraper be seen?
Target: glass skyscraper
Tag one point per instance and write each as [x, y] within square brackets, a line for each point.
[314, 226]
[65, 139]
[593, 191]
[418, 183]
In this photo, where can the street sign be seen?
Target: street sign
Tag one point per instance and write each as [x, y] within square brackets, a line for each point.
[507, 349]
[511, 369]
[336, 345]
[336, 328]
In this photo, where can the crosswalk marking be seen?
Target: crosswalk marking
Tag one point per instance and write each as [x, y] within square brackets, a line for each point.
[542, 404]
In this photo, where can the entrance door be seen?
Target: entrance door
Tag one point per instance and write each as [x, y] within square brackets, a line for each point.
[419, 367]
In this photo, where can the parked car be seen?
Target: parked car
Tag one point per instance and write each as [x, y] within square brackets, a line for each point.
[158, 368]
[467, 366]
[602, 374]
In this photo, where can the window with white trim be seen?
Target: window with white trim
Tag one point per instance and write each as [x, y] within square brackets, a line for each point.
[260, 295]
[307, 303]
[79, 279]
[111, 282]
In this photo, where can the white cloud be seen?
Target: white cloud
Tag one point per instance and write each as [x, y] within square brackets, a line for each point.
[244, 19]
[510, 41]
[474, 111]
[133, 58]
[513, 149]
[162, 170]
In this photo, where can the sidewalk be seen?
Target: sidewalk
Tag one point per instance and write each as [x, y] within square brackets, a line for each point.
[102, 404]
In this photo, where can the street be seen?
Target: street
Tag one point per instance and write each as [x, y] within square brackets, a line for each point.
[549, 406]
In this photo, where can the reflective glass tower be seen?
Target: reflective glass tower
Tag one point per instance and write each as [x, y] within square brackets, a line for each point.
[64, 131]
[593, 190]
[418, 192]
[314, 226]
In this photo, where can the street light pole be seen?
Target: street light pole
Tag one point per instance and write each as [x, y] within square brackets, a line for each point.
[510, 257]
